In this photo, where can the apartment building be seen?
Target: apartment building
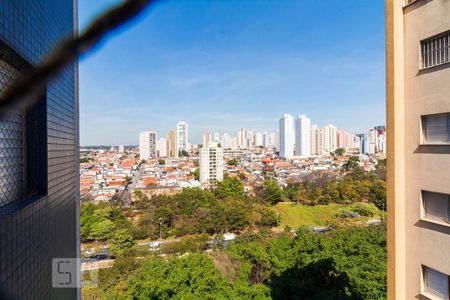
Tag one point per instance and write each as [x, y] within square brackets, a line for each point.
[302, 136]
[147, 144]
[211, 165]
[418, 153]
[287, 136]
[182, 136]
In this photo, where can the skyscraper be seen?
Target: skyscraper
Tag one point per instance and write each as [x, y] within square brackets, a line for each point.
[287, 136]
[302, 136]
[147, 144]
[418, 154]
[242, 138]
[162, 147]
[317, 139]
[206, 138]
[182, 136]
[211, 165]
[121, 148]
[329, 138]
[39, 183]
[173, 144]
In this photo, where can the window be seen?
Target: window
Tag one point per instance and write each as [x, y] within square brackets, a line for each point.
[436, 129]
[435, 51]
[436, 206]
[23, 139]
[435, 283]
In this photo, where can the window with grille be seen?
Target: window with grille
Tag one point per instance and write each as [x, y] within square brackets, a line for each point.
[436, 206]
[435, 51]
[435, 283]
[23, 139]
[436, 129]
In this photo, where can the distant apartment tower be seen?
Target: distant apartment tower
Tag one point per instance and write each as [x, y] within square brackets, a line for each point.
[39, 173]
[206, 138]
[242, 138]
[211, 165]
[121, 148]
[329, 138]
[302, 136]
[418, 154]
[147, 144]
[317, 139]
[162, 147]
[172, 143]
[182, 136]
[287, 136]
[259, 139]
[226, 141]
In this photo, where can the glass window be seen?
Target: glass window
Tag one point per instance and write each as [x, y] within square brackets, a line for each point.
[436, 283]
[436, 206]
[436, 129]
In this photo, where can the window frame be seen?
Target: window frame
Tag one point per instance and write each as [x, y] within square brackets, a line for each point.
[426, 42]
[423, 212]
[424, 284]
[423, 140]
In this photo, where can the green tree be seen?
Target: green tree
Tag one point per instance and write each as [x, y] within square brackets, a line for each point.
[229, 186]
[232, 162]
[121, 243]
[197, 174]
[161, 162]
[272, 192]
[339, 151]
[351, 164]
[101, 230]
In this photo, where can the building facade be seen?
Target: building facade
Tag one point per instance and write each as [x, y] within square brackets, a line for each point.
[147, 144]
[329, 138]
[317, 139]
[287, 136]
[302, 136]
[211, 165]
[172, 140]
[418, 153]
[182, 136]
[39, 183]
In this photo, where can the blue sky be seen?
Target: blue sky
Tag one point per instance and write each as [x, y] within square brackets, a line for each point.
[222, 65]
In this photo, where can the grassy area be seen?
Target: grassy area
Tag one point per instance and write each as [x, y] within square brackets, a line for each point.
[295, 215]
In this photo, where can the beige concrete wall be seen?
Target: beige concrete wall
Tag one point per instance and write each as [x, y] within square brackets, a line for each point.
[425, 167]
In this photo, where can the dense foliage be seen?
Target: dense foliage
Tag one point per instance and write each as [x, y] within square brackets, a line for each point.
[344, 264]
[357, 186]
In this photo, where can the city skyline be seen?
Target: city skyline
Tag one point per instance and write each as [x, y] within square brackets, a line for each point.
[208, 74]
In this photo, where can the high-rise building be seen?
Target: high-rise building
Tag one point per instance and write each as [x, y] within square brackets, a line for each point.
[211, 165]
[287, 136]
[317, 139]
[302, 136]
[418, 154]
[329, 138]
[173, 143]
[39, 177]
[206, 138]
[121, 148]
[259, 140]
[226, 141]
[162, 147]
[217, 137]
[182, 136]
[147, 144]
[242, 138]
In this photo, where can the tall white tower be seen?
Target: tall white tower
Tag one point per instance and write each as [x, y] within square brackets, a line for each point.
[211, 165]
[147, 144]
[182, 136]
[287, 136]
[329, 134]
[302, 136]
